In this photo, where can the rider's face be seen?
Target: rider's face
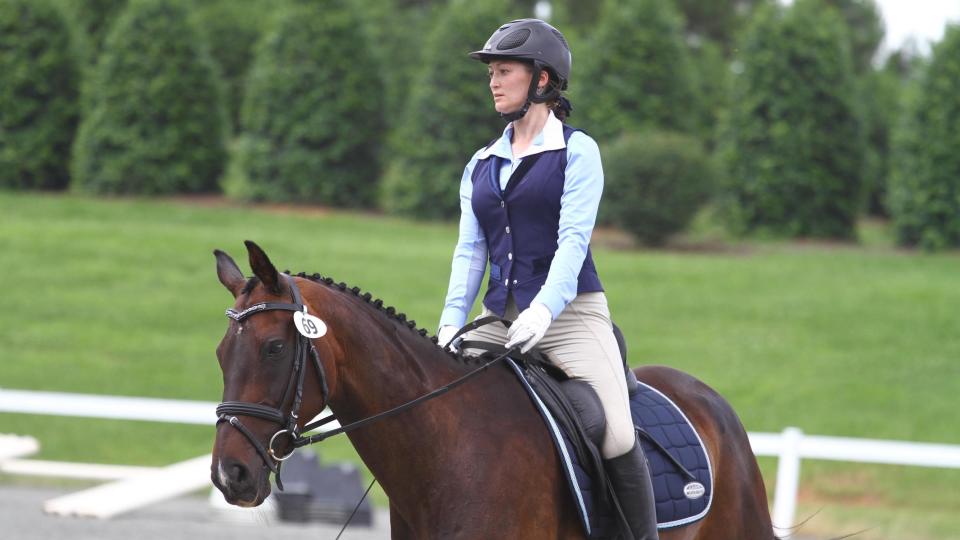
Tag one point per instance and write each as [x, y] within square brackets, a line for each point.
[509, 83]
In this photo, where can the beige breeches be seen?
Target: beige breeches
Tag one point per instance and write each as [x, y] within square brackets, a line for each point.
[581, 343]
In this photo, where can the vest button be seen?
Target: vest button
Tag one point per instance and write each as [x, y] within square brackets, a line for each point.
[514, 282]
[510, 256]
[508, 229]
[506, 282]
[502, 204]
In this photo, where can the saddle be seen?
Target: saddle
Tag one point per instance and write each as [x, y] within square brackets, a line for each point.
[679, 466]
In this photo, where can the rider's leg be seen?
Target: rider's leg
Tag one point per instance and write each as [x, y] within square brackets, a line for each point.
[581, 343]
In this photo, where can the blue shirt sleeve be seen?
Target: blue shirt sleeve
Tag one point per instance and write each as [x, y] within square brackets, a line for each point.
[582, 189]
[469, 258]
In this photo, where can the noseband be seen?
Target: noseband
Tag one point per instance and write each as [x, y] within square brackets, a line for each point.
[228, 411]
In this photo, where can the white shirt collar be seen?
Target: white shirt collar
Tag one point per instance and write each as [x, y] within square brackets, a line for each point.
[549, 138]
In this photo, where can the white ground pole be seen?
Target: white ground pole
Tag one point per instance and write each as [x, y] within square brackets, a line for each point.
[131, 487]
[121, 496]
[14, 446]
[79, 471]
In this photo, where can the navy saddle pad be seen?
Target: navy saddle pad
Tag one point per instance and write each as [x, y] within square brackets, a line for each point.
[680, 500]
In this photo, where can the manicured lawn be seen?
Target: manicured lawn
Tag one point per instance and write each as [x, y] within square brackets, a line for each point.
[121, 297]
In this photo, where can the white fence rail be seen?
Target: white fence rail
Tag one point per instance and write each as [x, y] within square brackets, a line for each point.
[790, 447]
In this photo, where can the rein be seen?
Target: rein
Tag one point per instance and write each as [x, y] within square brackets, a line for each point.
[228, 411]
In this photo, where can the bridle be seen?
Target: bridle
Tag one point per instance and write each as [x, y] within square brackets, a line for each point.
[228, 411]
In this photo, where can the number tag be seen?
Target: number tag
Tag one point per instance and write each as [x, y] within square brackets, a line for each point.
[308, 325]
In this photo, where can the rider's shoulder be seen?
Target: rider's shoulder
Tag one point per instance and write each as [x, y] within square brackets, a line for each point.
[580, 142]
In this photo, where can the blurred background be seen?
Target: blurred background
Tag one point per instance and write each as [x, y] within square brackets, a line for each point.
[781, 213]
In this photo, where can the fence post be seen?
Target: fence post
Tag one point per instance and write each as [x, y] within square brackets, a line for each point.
[788, 478]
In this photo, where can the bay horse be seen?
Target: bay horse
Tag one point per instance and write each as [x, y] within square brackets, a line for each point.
[475, 463]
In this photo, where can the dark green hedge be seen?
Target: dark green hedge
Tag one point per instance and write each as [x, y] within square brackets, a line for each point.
[93, 19]
[878, 98]
[398, 29]
[156, 123]
[312, 121]
[654, 183]
[864, 30]
[925, 184]
[232, 29]
[449, 114]
[636, 73]
[793, 142]
[39, 85]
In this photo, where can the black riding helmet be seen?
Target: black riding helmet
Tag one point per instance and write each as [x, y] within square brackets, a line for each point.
[540, 45]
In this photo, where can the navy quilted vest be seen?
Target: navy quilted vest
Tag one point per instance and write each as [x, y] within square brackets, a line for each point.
[521, 225]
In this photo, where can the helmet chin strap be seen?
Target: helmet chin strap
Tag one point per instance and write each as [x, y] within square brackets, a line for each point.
[532, 96]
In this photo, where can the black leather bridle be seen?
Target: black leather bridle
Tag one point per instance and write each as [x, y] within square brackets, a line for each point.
[228, 411]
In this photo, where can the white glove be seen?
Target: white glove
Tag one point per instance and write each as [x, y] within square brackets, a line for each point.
[444, 335]
[529, 327]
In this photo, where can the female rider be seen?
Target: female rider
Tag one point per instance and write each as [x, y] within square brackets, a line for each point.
[536, 231]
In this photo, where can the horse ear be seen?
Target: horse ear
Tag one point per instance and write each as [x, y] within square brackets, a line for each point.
[263, 268]
[229, 273]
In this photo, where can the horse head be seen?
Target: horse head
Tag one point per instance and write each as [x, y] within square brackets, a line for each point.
[268, 394]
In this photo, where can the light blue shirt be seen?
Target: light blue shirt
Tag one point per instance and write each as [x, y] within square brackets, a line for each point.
[583, 186]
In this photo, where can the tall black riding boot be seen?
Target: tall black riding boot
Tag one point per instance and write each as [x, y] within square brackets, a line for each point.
[631, 482]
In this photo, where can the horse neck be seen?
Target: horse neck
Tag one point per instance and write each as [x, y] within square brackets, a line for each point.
[380, 362]
[383, 364]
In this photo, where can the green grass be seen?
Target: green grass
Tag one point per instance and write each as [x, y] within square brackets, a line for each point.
[120, 297]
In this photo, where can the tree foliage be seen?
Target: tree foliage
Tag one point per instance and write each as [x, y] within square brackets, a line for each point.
[232, 29]
[864, 29]
[638, 73]
[398, 29]
[879, 94]
[93, 19]
[312, 123]
[793, 143]
[717, 20]
[925, 184]
[39, 85]
[156, 121]
[654, 183]
[448, 116]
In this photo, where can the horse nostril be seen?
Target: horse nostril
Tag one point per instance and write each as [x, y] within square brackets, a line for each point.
[238, 474]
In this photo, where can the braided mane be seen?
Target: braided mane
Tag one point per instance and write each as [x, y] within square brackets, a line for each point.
[389, 311]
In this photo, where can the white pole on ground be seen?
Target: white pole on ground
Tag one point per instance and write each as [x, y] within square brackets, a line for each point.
[14, 446]
[122, 496]
[788, 478]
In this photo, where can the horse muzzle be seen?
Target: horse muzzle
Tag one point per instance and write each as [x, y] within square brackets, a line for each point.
[241, 484]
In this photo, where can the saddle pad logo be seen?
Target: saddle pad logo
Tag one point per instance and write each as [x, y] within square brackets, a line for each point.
[694, 490]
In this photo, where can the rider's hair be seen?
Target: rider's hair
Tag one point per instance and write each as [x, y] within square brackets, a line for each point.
[561, 106]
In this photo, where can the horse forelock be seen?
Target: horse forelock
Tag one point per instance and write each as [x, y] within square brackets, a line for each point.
[250, 285]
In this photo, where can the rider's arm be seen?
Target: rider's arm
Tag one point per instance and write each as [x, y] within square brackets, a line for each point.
[583, 186]
[469, 258]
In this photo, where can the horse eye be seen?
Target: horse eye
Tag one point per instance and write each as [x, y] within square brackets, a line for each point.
[275, 347]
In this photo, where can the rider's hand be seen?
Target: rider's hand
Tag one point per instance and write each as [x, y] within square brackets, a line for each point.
[529, 327]
[444, 335]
